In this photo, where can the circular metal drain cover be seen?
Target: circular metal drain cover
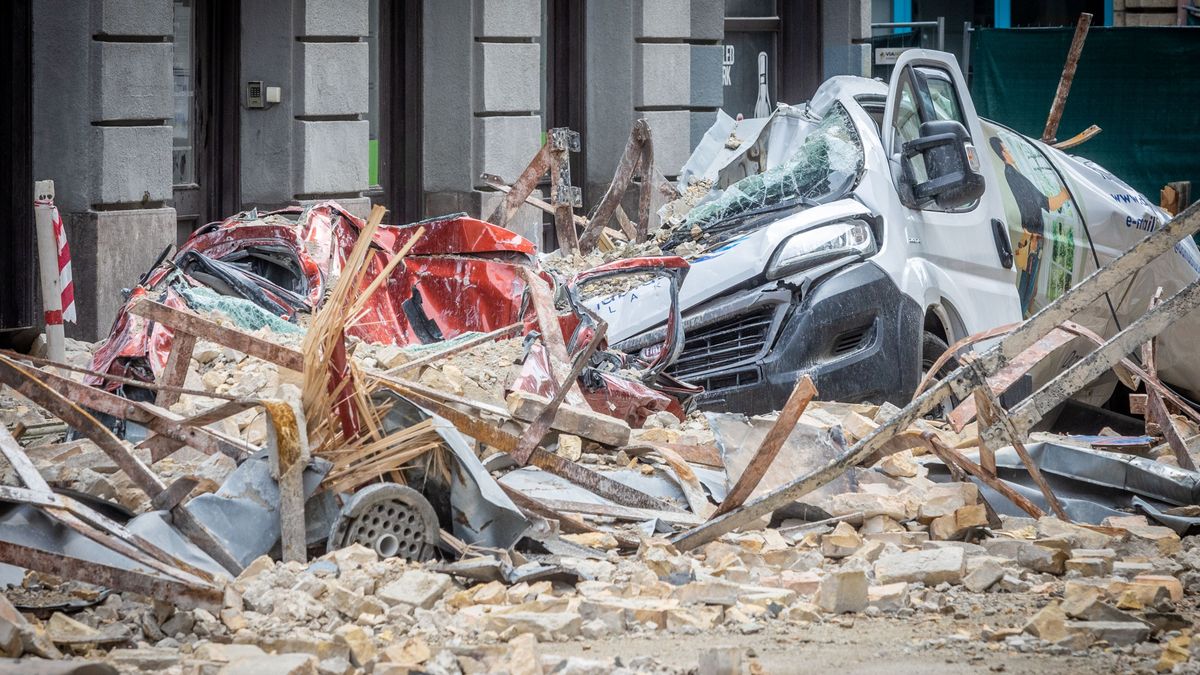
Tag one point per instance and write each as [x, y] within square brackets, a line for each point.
[394, 520]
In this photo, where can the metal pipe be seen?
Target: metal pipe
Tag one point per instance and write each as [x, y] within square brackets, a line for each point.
[904, 24]
[43, 211]
[941, 33]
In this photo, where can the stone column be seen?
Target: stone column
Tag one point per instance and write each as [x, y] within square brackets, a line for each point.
[844, 24]
[658, 59]
[102, 114]
[482, 85]
[312, 145]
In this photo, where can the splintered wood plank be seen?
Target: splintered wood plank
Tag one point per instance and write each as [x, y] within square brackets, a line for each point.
[198, 326]
[176, 370]
[802, 394]
[582, 422]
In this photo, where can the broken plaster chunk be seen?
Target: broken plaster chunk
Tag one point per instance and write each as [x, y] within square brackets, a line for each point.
[953, 525]
[416, 588]
[358, 641]
[1173, 585]
[273, 664]
[1049, 623]
[1116, 633]
[570, 447]
[984, 576]
[842, 542]
[930, 567]
[545, 626]
[1089, 567]
[888, 597]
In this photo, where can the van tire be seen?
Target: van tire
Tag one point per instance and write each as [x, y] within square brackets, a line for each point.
[933, 347]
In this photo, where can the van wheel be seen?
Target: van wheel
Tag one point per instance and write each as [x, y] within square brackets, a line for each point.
[932, 347]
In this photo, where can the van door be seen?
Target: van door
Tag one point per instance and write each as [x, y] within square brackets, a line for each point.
[956, 261]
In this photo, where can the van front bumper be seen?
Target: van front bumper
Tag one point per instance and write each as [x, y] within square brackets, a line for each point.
[852, 330]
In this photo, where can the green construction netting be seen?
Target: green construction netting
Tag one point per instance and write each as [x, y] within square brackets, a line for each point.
[1140, 85]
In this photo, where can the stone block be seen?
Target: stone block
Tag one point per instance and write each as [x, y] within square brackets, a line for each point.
[132, 165]
[662, 75]
[110, 250]
[944, 500]
[705, 77]
[274, 664]
[983, 577]
[331, 157]
[1116, 633]
[545, 626]
[953, 525]
[681, 19]
[416, 588]
[1173, 586]
[1150, 4]
[672, 132]
[504, 145]
[132, 81]
[508, 18]
[507, 77]
[331, 78]
[842, 542]
[132, 17]
[1049, 623]
[1089, 567]
[843, 591]
[1028, 555]
[332, 18]
[888, 597]
[1078, 536]
[930, 567]
[870, 505]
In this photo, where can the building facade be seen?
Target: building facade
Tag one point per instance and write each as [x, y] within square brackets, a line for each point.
[154, 117]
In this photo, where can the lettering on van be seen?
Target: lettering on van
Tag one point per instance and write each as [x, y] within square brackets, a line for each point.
[1146, 224]
[1134, 198]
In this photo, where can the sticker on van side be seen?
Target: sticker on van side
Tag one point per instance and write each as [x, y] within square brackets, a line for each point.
[1043, 219]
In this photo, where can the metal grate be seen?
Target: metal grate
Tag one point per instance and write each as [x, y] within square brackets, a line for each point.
[850, 340]
[724, 344]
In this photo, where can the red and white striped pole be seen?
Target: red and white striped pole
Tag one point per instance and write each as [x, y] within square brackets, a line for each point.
[45, 215]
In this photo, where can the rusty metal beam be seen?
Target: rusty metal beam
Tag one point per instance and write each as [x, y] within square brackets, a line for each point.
[182, 595]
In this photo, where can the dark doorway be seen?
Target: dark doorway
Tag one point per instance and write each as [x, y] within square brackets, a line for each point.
[395, 108]
[563, 94]
[18, 296]
[207, 72]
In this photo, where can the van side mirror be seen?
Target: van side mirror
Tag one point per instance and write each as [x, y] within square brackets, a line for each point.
[950, 161]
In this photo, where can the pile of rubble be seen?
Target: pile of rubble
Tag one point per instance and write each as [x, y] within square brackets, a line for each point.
[330, 445]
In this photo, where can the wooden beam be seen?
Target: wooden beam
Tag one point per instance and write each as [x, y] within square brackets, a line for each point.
[175, 373]
[802, 394]
[198, 326]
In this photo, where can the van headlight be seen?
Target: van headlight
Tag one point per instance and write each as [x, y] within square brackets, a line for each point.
[821, 244]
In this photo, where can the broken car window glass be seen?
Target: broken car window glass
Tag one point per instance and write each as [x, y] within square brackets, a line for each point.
[824, 167]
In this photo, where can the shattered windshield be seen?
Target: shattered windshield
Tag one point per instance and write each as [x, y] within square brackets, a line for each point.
[824, 168]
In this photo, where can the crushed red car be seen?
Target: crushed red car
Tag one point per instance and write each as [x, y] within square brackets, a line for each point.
[462, 275]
